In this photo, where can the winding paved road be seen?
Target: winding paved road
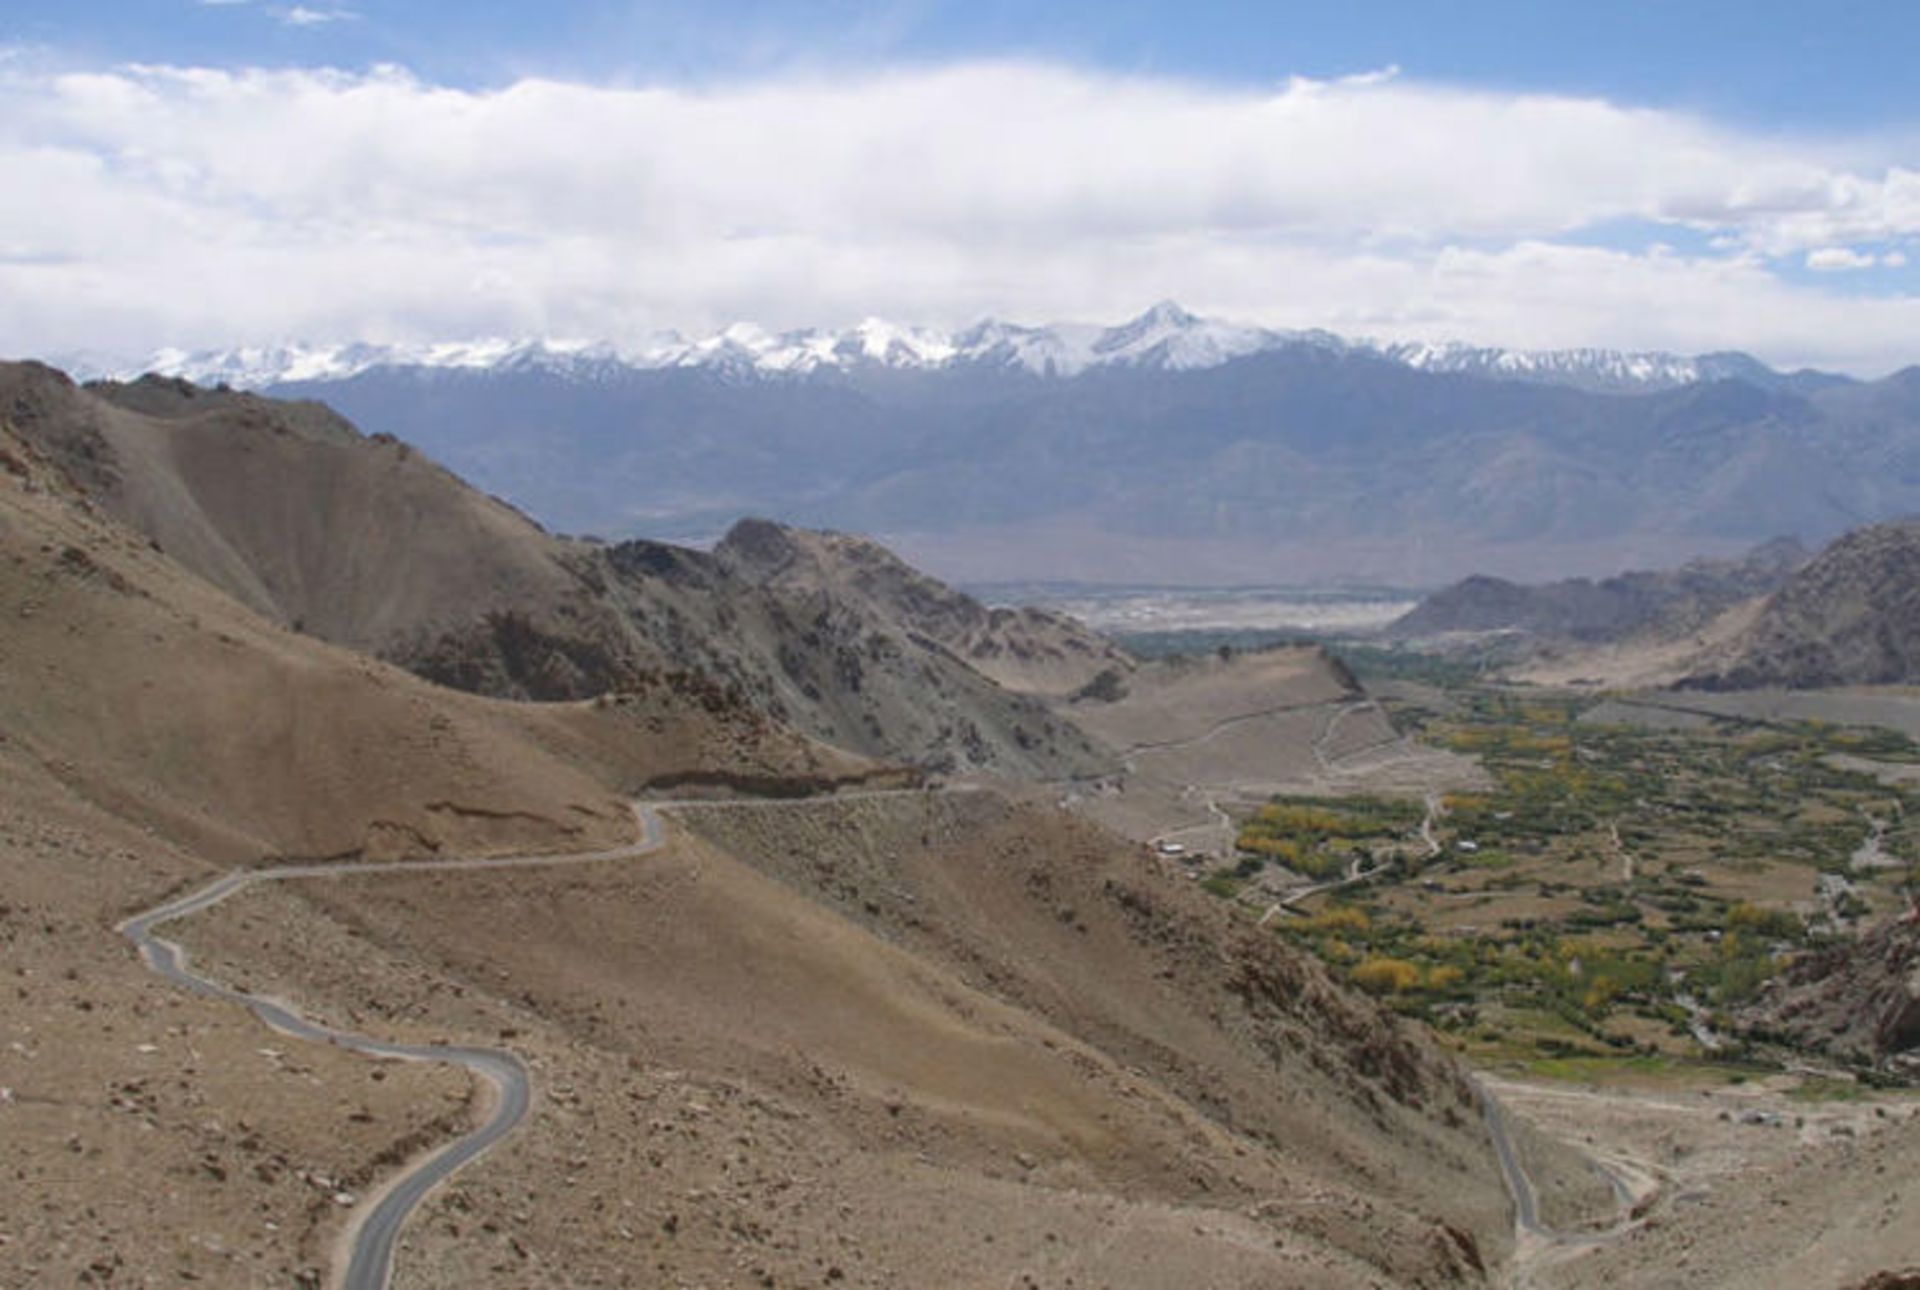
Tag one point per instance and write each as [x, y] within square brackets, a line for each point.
[1526, 1201]
[375, 1233]
[1538, 1244]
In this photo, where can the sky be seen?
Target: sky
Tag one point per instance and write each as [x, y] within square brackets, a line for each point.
[1684, 176]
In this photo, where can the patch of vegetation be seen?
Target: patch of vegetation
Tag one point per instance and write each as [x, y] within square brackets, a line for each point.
[1322, 837]
[1384, 663]
[1208, 640]
[1615, 893]
[1821, 1088]
[1222, 885]
[1599, 1070]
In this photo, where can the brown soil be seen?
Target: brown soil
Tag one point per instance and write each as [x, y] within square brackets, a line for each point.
[153, 694]
[152, 1136]
[919, 1039]
[154, 732]
[741, 1077]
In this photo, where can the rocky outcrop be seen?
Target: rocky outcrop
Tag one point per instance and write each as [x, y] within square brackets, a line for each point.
[1859, 1002]
[1025, 649]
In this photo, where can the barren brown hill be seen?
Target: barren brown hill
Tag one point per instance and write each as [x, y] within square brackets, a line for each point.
[1643, 605]
[932, 1039]
[1321, 1092]
[1833, 1215]
[365, 543]
[1183, 700]
[158, 696]
[1850, 617]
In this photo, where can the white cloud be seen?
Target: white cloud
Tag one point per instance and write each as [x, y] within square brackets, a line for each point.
[300, 15]
[1839, 259]
[190, 206]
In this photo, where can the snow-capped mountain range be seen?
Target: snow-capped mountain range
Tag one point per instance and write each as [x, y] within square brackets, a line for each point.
[1165, 337]
[1172, 448]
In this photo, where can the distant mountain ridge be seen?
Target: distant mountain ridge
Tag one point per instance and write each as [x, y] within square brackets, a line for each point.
[1609, 609]
[1165, 337]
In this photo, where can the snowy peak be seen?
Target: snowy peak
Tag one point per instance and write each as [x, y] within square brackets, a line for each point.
[1594, 369]
[1164, 322]
[1601, 371]
[1164, 338]
[893, 346]
[1170, 337]
[251, 367]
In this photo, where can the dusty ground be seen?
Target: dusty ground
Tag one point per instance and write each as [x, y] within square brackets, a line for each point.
[1640, 664]
[151, 1136]
[367, 544]
[154, 733]
[1203, 737]
[1896, 707]
[166, 702]
[1179, 700]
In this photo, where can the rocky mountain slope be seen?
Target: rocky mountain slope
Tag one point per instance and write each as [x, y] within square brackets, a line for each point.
[1172, 449]
[1849, 617]
[1025, 649]
[1583, 610]
[365, 543]
[927, 1038]
[146, 690]
[1046, 913]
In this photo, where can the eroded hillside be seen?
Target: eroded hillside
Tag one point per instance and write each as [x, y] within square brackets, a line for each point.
[1024, 649]
[365, 543]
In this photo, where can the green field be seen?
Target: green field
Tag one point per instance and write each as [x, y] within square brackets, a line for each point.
[1618, 890]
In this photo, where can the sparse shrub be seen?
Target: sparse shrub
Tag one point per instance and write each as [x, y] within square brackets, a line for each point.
[1386, 976]
[1770, 924]
[1337, 919]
